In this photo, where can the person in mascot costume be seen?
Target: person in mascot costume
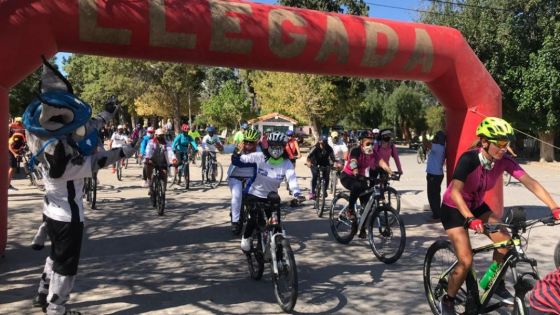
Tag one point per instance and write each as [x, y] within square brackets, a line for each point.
[62, 136]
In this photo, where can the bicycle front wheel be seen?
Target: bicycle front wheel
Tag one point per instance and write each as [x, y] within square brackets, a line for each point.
[93, 192]
[119, 170]
[322, 197]
[286, 281]
[215, 175]
[255, 257]
[386, 235]
[343, 228]
[161, 197]
[438, 265]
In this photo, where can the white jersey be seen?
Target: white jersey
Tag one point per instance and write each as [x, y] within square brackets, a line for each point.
[269, 177]
[118, 140]
[339, 148]
[209, 143]
[152, 148]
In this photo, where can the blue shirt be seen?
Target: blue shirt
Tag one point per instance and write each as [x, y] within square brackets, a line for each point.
[181, 143]
[143, 144]
[435, 159]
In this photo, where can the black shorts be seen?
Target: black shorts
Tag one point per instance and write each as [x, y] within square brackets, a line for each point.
[452, 218]
[66, 244]
[13, 160]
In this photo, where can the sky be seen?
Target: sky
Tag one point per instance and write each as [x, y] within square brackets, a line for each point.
[401, 10]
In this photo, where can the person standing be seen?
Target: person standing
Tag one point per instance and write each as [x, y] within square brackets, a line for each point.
[434, 174]
[292, 147]
[238, 137]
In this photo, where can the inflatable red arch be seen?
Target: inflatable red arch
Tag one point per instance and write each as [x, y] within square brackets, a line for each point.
[248, 35]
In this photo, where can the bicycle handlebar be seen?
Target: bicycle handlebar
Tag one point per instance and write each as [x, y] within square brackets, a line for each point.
[495, 227]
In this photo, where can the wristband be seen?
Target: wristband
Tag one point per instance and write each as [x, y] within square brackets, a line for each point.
[468, 221]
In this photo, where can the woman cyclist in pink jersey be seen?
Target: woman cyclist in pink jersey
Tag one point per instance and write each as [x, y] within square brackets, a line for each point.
[362, 160]
[476, 172]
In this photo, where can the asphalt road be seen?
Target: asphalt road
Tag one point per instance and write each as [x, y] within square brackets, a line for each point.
[187, 261]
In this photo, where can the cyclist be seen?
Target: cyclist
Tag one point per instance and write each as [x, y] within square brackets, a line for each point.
[236, 176]
[463, 205]
[118, 139]
[320, 155]
[159, 154]
[340, 149]
[181, 148]
[273, 167]
[387, 149]
[16, 127]
[137, 133]
[361, 162]
[145, 140]
[292, 147]
[16, 147]
[211, 144]
[238, 137]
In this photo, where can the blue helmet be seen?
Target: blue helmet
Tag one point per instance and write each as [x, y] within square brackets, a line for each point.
[289, 133]
[244, 126]
[323, 138]
[210, 129]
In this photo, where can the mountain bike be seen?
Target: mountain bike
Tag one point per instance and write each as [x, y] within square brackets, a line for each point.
[33, 172]
[320, 189]
[334, 177]
[212, 172]
[421, 154]
[183, 172]
[120, 169]
[157, 189]
[386, 232]
[90, 190]
[441, 260]
[270, 245]
[193, 155]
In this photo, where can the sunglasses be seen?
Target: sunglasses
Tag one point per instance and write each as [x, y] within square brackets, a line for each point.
[249, 142]
[502, 144]
[367, 144]
[386, 138]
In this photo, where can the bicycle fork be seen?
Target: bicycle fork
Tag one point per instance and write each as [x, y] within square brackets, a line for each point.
[273, 251]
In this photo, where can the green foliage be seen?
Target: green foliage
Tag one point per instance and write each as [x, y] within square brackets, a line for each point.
[435, 118]
[340, 6]
[215, 80]
[227, 108]
[404, 107]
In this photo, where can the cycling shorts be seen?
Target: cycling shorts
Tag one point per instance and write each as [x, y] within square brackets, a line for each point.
[452, 218]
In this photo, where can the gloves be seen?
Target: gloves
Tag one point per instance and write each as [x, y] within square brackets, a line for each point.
[475, 224]
[556, 214]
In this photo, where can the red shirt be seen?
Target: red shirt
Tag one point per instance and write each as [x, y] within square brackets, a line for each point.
[545, 297]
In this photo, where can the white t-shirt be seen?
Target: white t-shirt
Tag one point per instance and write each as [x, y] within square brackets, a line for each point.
[209, 143]
[339, 149]
[118, 140]
[269, 177]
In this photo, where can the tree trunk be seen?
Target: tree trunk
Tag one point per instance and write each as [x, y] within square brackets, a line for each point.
[190, 117]
[177, 114]
[547, 151]
[133, 120]
[315, 128]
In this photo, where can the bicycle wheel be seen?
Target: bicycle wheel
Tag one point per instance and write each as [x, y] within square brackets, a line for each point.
[334, 181]
[286, 281]
[343, 228]
[392, 199]
[119, 170]
[255, 257]
[186, 176]
[386, 235]
[323, 190]
[521, 305]
[153, 191]
[161, 196]
[317, 193]
[93, 192]
[438, 264]
[215, 174]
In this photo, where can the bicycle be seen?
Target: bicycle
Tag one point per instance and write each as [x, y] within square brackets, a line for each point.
[90, 190]
[334, 177]
[320, 190]
[212, 172]
[182, 172]
[421, 154]
[468, 300]
[120, 168]
[270, 245]
[193, 155]
[377, 215]
[157, 190]
[32, 172]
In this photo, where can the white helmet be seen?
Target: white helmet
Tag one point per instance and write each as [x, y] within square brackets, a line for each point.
[120, 127]
[150, 129]
[375, 130]
[159, 132]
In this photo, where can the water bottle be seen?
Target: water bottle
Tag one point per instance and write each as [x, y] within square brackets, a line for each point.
[489, 275]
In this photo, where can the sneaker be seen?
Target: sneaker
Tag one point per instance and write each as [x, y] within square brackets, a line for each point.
[311, 196]
[246, 244]
[40, 300]
[503, 295]
[145, 184]
[235, 228]
[12, 188]
[447, 305]
[72, 313]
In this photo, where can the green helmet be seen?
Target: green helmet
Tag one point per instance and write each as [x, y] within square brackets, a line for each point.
[495, 128]
[251, 135]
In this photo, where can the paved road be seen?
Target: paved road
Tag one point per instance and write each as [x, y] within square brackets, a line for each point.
[187, 262]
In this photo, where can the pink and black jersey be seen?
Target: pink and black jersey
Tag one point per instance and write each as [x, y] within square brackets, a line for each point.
[478, 180]
[365, 161]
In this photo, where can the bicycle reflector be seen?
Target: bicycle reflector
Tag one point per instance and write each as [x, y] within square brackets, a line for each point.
[516, 216]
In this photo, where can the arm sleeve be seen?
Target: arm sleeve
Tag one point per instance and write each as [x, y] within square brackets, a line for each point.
[102, 159]
[256, 157]
[513, 167]
[174, 144]
[113, 136]
[203, 142]
[292, 178]
[143, 146]
[193, 143]
[311, 155]
[467, 163]
[149, 150]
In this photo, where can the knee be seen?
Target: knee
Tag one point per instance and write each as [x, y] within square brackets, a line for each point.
[465, 262]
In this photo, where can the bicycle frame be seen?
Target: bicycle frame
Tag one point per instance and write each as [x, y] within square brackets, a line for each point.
[269, 241]
[376, 193]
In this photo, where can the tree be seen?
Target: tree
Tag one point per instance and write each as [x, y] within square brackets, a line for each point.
[513, 41]
[308, 98]
[369, 113]
[227, 108]
[404, 108]
[435, 118]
